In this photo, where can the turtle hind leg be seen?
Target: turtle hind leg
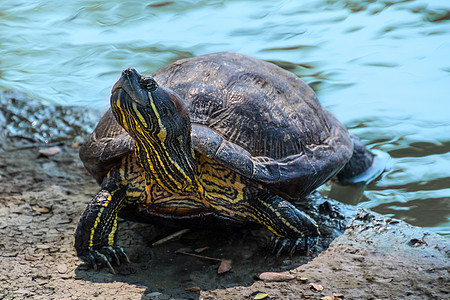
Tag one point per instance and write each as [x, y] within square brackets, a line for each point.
[294, 230]
[96, 231]
[364, 166]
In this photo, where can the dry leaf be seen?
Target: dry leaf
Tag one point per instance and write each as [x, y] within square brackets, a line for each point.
[316, 287]
[333, 297]
[42, 210]
[200, 250]
[192, 289]
[275, 276]
[303, 279]
[50, 151]
[224, 267]
[337, 296]
[260, 296]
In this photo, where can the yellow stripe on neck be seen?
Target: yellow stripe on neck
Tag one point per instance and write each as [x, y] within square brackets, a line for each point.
[139, 115]
[162, 129]
[162, 135]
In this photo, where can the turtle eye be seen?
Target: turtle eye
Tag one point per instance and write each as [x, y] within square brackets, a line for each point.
[148, 83]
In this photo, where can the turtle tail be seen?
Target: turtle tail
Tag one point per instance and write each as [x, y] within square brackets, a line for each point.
[364, 166]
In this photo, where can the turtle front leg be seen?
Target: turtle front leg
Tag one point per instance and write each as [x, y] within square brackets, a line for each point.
[294, 230]
[96, 232]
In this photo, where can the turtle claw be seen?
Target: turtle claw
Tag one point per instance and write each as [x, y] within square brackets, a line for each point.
[282, 245]
[111, 269]
[113, 254]
[105, 256]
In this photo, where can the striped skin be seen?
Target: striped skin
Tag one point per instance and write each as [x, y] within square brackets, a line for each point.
[218, 191]
[162, 148]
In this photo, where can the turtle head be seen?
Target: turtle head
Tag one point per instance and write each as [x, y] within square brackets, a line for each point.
[157, 120]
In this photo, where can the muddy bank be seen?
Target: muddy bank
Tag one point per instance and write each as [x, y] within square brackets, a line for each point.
[41, 199]
[375, 258]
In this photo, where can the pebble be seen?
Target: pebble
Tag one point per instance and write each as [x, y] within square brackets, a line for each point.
[49, 151]
[275, 276]
[62, 268]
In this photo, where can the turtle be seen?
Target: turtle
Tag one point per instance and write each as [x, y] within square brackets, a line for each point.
[220, 139]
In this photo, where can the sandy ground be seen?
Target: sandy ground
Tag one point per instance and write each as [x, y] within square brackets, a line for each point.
[42, 198]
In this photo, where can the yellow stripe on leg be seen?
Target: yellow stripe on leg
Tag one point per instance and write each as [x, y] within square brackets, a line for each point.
[97, 220]
[111, 234]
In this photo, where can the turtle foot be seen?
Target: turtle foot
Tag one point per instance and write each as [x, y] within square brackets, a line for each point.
[282, 245]
[105, 256]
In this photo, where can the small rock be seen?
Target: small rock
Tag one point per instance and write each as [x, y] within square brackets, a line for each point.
[62, 268]
[49, 151]
[316, 287]
[275, 276]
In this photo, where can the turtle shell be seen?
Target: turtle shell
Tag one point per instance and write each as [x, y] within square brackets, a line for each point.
[268, 115]
[265, 110]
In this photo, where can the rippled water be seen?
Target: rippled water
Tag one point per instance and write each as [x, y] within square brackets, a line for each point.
[381, 66]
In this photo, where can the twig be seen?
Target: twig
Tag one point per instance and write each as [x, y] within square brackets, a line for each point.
[170, 237]
[200, 256]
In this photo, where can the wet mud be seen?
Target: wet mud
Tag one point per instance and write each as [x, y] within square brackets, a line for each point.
[361, 255]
